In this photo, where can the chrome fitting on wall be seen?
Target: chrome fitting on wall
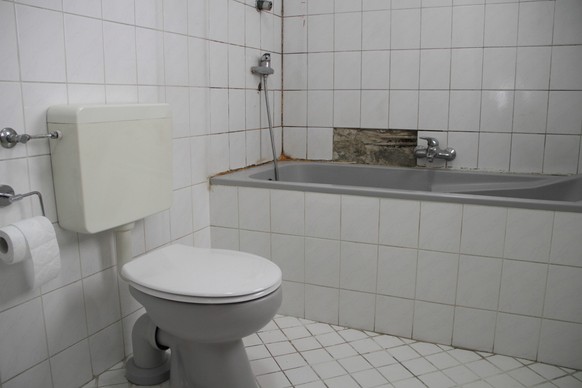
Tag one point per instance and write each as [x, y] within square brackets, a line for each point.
[264, 5]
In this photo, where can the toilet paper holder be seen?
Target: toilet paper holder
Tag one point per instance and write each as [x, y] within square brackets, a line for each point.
[7, 197]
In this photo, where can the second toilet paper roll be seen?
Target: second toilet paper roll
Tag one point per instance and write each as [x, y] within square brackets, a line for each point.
[33, 239]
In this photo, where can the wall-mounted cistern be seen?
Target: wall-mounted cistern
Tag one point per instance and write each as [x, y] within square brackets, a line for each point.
[432, 151]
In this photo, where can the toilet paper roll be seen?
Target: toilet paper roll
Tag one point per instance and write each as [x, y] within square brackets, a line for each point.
[32, 239]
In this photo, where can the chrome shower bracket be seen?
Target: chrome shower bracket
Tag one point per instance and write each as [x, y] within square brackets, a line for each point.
[9, 137]
[264, 5]
[7, 197]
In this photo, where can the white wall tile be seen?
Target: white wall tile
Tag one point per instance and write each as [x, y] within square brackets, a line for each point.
[295, 142]
[320, 37]
[287, 212]
[293, 299]
[224, 238]
[394, 316]
[436, 27]
[536, 23]
[106, 348]
[433, 109]
[560, 154]
[522, 287]
[322, 304]
[469, 142]
[375, 109]
[531, 108]
[181, 213]
[468, 24]
[148, 13]
[483, 230]
[359, 266]
[37, 376]
[465, 111]
[347, 5]
[397, 271]
[443, 239]
[64, 317]
[347, 31]
[322, 215]
[404, 69]
[347, 71]
[517, 335]
[376, 70]
[567, 29]
[474, 329]
[119, 11]
[497, 111]
[9, 64]
[499, 68]
[565, 74]
[533, 67]
[405, 29]
[479, 280]
[120, 53]
[501, 24]
[529, 233]
[322, 262]
[437, 276]
[563, 114]
[433, 322]
[83, 7]
[466, 68]
[258, 243]
[320, 70]
[403, 109]
[176, 60]
[356, 309]
[322, 6]
[435, 68]
[319, 143]
[359, 219]
[21, 328]
[72, 367]
[294, 107]
[101, 300]
[288, 252]
[376, 30]
[526, 153]
[294, 34]
[399, 220]
[346, 108]
[559, 343]
[320, 108]
[494, 151]
[564, 287]
[566, 243]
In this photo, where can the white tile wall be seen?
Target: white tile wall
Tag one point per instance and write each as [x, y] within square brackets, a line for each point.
[193, 54]
[490, 60]
[494, 279]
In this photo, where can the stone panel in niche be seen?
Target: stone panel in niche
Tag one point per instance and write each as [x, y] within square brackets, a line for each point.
[384, 147]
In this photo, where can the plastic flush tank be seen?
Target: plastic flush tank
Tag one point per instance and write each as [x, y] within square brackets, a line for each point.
[113, 165]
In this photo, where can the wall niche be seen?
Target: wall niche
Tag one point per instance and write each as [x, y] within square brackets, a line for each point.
[385, 147]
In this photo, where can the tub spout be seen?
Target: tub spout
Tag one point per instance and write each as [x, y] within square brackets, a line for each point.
[432, 151]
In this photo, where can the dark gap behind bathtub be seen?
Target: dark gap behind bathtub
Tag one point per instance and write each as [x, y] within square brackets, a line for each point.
[383, 147]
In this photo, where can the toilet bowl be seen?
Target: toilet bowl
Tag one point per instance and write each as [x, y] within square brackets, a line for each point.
[200, 303]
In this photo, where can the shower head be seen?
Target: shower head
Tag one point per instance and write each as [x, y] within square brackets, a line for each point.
[264, 5]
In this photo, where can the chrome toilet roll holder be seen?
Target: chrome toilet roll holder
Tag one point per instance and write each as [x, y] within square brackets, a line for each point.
[8, 197]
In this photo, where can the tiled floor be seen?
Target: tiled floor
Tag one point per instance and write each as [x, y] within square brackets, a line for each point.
[291, 352]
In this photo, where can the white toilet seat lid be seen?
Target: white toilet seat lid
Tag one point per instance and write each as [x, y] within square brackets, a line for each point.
[198, 275]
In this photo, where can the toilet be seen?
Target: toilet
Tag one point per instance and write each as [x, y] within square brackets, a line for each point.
[199, 303]
[112, 166]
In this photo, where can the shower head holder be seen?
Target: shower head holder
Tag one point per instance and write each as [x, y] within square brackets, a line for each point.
[264, 5]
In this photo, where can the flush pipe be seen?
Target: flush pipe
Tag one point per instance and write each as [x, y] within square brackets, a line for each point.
[150, 363]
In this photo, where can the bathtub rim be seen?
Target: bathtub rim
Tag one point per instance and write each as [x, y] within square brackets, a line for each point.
[242, 178]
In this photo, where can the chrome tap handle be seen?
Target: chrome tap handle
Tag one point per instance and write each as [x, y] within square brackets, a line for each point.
[431, 141]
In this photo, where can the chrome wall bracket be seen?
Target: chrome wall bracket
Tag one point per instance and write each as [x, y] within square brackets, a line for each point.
[7, 197]
[9, 137]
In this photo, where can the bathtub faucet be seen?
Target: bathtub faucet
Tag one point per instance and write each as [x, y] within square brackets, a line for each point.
[432, 151]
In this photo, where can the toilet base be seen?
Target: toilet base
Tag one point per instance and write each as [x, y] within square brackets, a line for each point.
[208, 365]
[146, 376]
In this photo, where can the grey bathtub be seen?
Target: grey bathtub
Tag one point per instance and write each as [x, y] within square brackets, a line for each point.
[558, 193]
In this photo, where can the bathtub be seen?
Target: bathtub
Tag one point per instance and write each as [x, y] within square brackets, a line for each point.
[483, 261]
[541, 192]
